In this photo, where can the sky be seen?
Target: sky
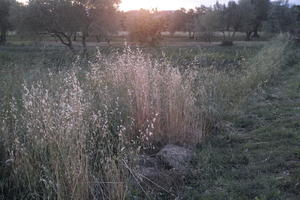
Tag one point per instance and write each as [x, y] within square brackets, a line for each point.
[172, 4]
[164, 4]
[169, 4]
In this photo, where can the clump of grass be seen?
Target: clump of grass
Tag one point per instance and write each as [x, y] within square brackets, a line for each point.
[72, 136]
[64, 151]
[158, 98]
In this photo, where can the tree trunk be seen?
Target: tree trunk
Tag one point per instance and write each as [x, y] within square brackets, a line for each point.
[255, 32]
[224, 35]
[75, 37]
[66, 40]
[84, 47]
[107, 41]
[233, 35]
[72, 48]
[248, 35]
[98, 38]
[3, 36]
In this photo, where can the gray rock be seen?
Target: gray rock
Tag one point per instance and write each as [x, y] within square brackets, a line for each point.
[164, 171]
[145, 161]
[149, 172]
[9, 162]
[175, 157]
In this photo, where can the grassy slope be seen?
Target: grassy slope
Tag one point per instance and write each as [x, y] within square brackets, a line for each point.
[260, 158]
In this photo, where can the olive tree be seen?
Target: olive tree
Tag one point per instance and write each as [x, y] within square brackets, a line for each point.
[146, 27]
[225, 19]
[106, 24]
[177, 21]
[63, 19]
[10, 11]
[247, 17]
[4, 20]
[280, 18]
[260, 12]
[205, 23]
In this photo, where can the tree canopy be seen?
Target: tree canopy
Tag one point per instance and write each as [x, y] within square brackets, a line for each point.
[65, 18]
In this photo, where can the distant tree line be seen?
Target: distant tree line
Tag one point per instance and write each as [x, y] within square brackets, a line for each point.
[248, 16]
[78, 20]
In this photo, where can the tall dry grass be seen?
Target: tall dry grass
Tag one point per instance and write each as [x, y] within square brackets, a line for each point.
[73, 134]
[81, 128]
[157, 98]
[65, 151]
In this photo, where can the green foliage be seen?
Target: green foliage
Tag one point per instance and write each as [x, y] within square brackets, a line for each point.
[178, 21]
[71, 128]
[4, 20]
[63, 19]
[146, 28]
[280, 18]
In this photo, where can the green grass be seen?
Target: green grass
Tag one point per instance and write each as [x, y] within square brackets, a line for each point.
[259, 158]
[254, 157]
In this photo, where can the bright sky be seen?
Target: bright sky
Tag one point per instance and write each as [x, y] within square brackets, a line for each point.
[171, 4]
[168, 4]
[165, 4]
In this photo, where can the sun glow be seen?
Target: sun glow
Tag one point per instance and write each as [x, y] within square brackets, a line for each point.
[156, 4]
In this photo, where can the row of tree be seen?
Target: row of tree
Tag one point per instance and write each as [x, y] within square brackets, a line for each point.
[70, 20]
[248, 16]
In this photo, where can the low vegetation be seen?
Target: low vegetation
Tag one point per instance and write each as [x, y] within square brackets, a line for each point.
[73, 130]
[96, 103]
[257, 157]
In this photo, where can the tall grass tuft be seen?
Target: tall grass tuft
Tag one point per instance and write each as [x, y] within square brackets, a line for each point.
[65, 151]
[158, 99]
[75, 132]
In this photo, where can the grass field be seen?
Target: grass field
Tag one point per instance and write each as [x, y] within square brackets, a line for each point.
[258, 158]
[179, 39]
[70, 125]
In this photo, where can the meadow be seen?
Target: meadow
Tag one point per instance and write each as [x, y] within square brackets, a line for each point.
[73, 127]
